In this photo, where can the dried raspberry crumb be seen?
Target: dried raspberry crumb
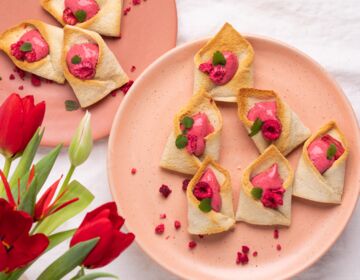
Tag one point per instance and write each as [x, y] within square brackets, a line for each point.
[136, 2]
[114, 93]
[133, 171]
[201, 236]
[163, 216]
[192, 244]
[35, 80]
[276, 233]
[127, 10]
[242, 258]
[255, 254]
[185, 184]
[177, 224]
[278, 247]
[127, 86]
[167, 237]
[48, 81]
[245, 249]
[12, 77]
[20, 72]
[159, 229]
[21, 87]
[133, 68]
[165, 190]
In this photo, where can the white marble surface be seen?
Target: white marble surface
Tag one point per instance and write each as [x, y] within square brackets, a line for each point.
[328, 31]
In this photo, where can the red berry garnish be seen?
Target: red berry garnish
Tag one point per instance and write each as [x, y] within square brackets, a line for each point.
[12, 77]
[276, 233]
[242, 258]
[192, 244]
[133, 171]
[133, 68]
[271, 129]
[136, 2]
[163, 216]
[159, 229]
[35, 80]
[202, 190]
[127, 86]
[21, 87]
[245, 249]
[278, 247]
[20, 72]
[69, 17]
[255, 254]
[177, 224]
[201, 236]
[127, 10]
[185, 184]
[165, 190]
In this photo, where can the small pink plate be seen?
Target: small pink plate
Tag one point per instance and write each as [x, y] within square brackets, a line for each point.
[137, 139]
[147, 31]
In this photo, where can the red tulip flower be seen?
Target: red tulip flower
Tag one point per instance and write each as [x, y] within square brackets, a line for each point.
[20, 118]
[17, 247]
[104, 223]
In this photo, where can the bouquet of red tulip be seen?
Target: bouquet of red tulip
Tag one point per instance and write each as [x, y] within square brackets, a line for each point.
[28, 221]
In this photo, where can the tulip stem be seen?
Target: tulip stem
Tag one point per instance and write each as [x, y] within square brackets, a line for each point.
[67, 178]
[7, 166]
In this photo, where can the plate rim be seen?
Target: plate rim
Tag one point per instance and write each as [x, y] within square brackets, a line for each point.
[117, 119]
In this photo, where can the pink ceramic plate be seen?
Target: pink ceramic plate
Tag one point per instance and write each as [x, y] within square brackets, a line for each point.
[138, 136]
[148, 31]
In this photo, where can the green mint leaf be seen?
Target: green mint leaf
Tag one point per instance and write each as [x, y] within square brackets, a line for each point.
[181, 141]
[187, 122]
[218, 58]
[331, 151]
[26, 47]
[256, 193]
[205, 205]
[76, 59]
[71, 105]
[80, 15]
[255, 128]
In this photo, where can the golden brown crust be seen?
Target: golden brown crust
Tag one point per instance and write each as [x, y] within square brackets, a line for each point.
[179, 159]
[227, 39]
[109, 74]
[11, 36]
[109, 8]
[322, 131]
[293, 130]
[270, 154]
[217, 221]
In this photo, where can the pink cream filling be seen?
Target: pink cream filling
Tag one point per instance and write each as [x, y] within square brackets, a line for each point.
[263, 110]
[196, 135]
[317, 151]
[86, 68]
[272, 185]
[221, 74]
[90, 7]
[39, 46]
[210, 178]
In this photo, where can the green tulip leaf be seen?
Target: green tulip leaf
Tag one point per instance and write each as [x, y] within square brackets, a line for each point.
[96, 275]
[28, 201]
[68, 261]
[75, 190]
[27, 158]
[57, 238]
[42, 170]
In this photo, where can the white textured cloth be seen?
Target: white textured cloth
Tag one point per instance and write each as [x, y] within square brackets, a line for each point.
[327, 30]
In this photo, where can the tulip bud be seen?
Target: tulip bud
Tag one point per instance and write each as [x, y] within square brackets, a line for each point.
[81, 144]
